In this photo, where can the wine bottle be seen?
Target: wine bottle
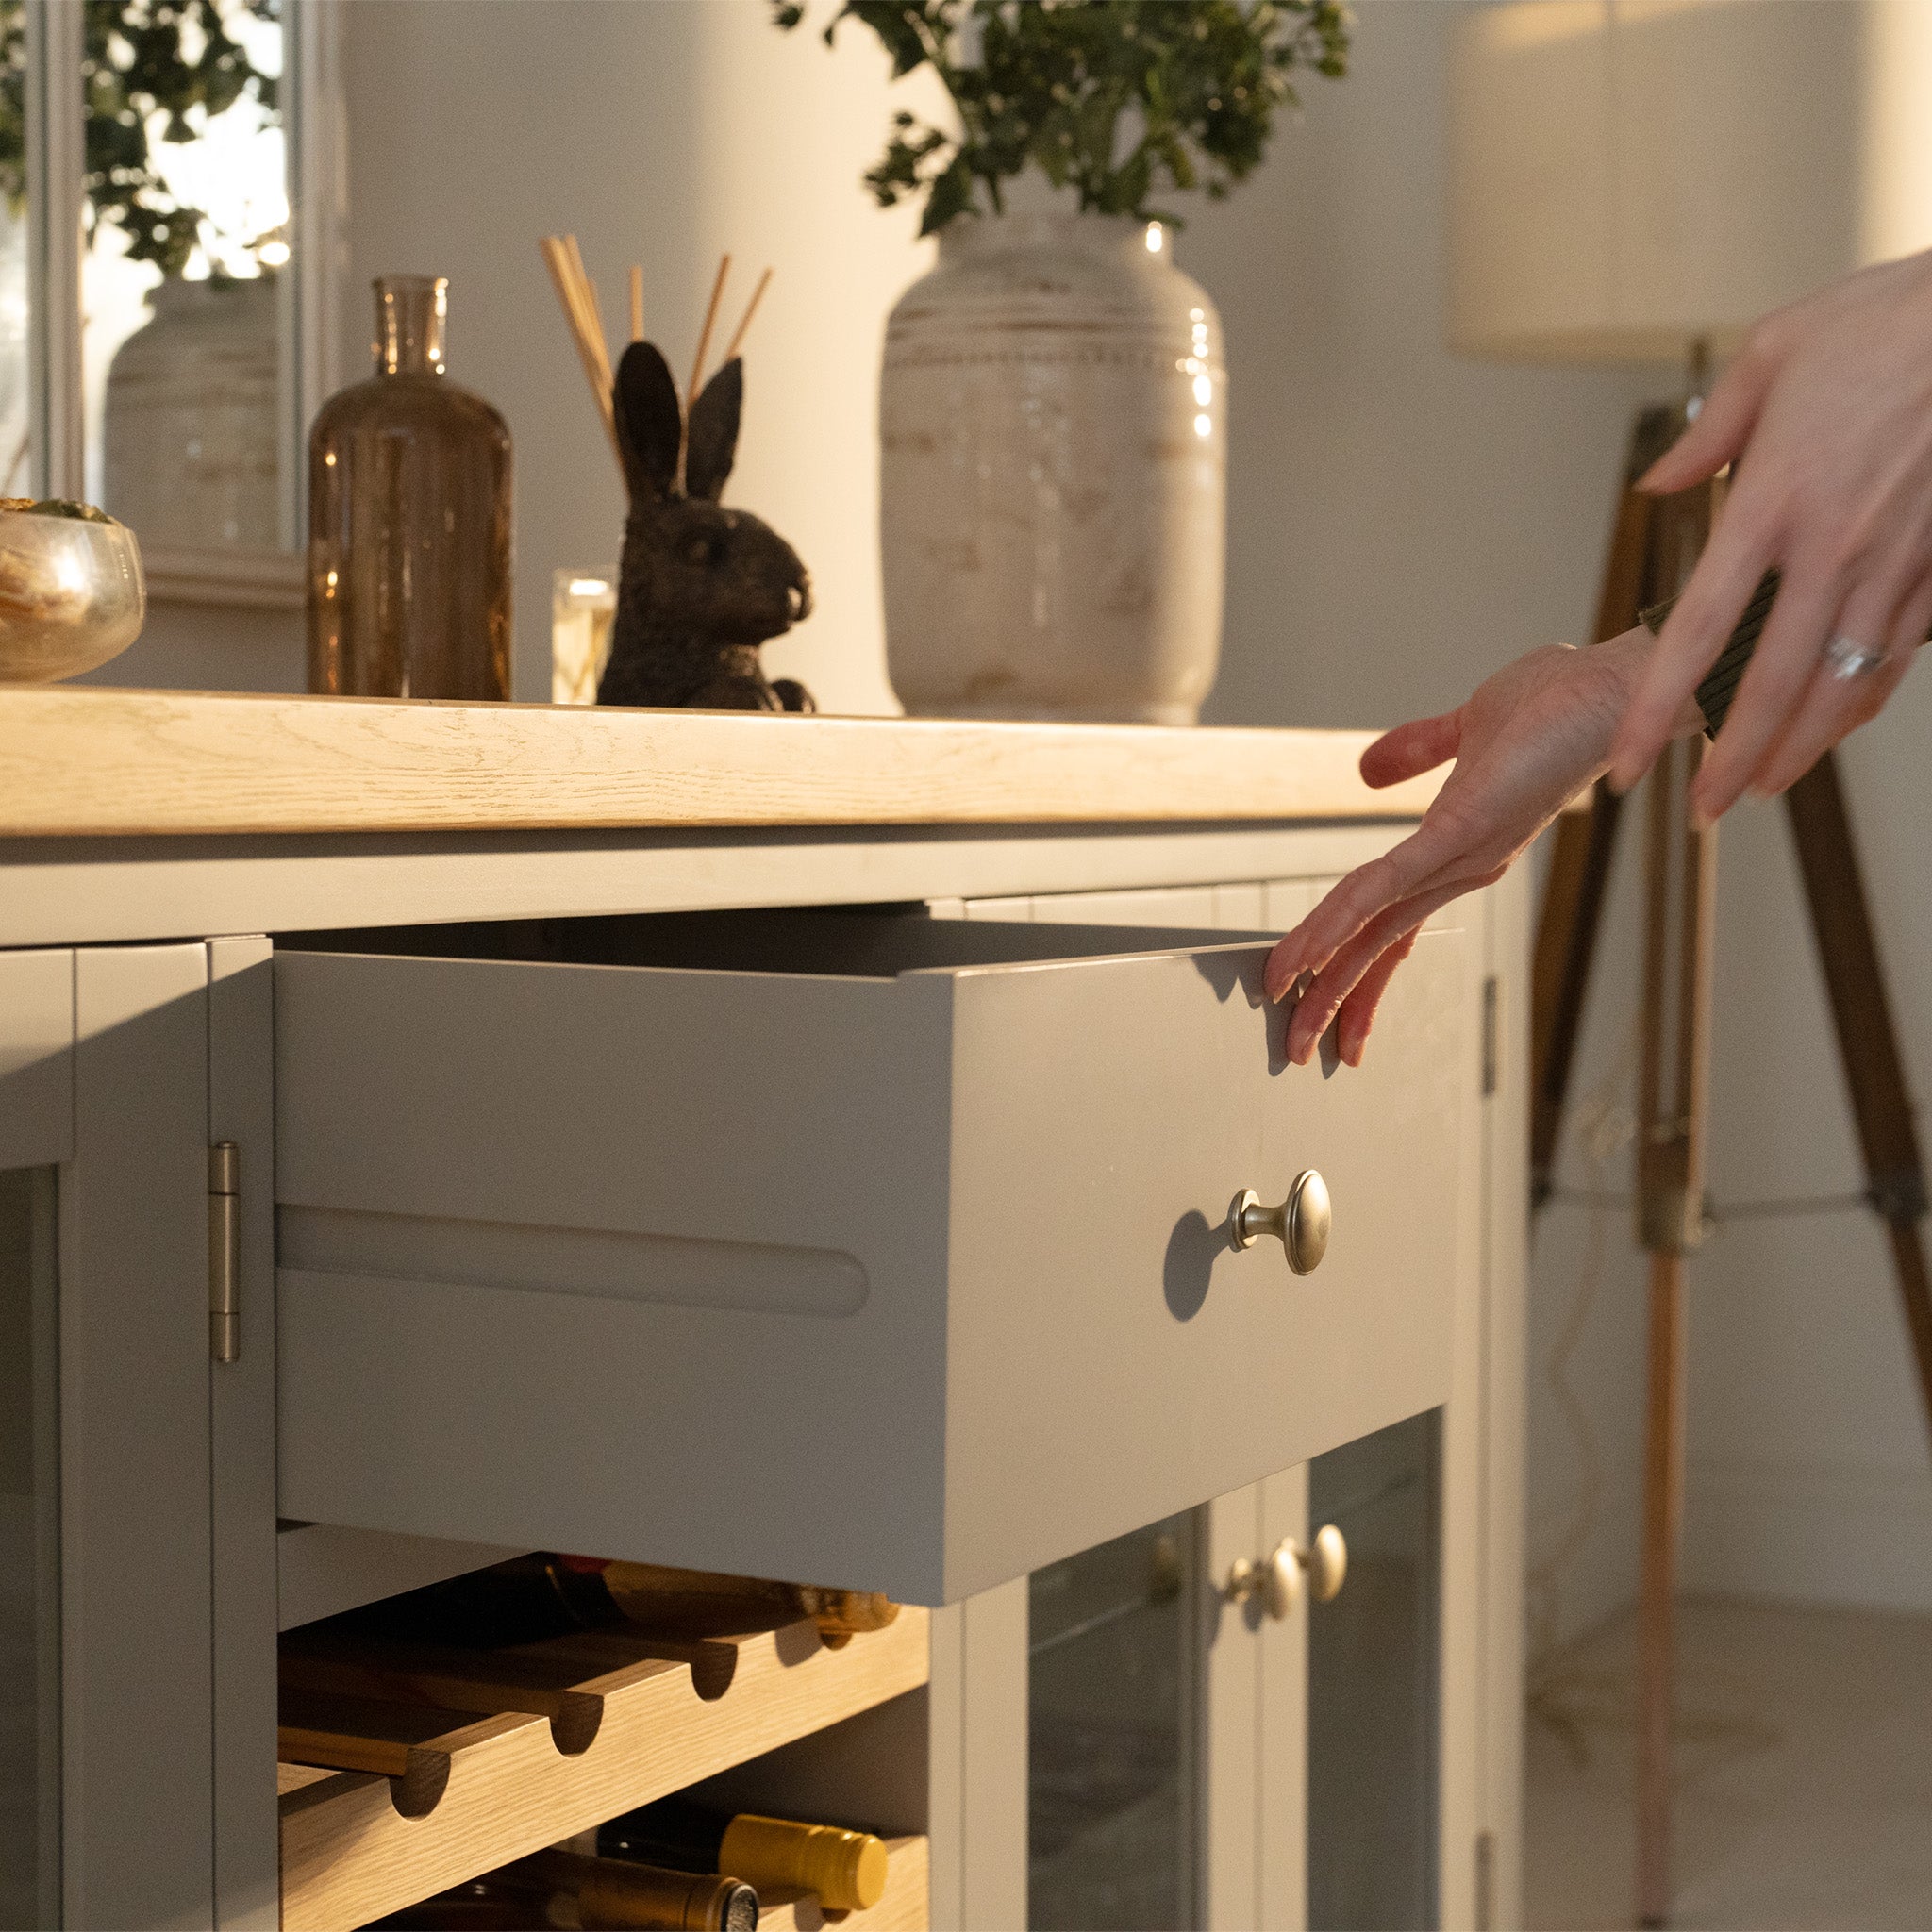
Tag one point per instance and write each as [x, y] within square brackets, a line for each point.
[599, 1894]
[545, 1594]
[709, 1605]
[847, 1869]
[479, 1905]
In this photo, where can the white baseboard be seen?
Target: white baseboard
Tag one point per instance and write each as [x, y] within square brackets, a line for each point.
[1802, 1534]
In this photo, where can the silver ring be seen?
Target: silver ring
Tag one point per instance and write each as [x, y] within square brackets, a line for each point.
[1848, 659]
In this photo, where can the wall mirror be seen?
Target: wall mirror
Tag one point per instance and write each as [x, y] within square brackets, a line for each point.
[166, 233]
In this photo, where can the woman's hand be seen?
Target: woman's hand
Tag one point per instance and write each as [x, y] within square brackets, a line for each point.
[1525, 744]
[1827, 412]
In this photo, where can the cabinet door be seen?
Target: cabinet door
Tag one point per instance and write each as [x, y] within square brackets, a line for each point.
[136, 1610]
[1254, 1728]
[1167, 1727]
[1374, 1686]
[36, 1134]
[106, 1780]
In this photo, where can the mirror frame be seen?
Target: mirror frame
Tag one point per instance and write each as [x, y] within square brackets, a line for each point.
[313, 121]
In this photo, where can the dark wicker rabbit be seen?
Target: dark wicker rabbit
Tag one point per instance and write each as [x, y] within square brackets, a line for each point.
[700, 586]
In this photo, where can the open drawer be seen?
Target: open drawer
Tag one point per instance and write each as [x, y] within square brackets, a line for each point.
[856, 1248]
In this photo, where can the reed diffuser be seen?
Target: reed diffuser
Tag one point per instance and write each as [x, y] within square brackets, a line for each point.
[700, 586]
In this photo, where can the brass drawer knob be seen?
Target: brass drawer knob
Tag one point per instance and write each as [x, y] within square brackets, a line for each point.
[1277, 1578]
[1301, 1224]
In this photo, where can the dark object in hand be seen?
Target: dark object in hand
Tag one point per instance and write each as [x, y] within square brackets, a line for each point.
[700, 586]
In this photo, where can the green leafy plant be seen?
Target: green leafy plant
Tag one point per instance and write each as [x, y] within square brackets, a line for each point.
[139, 59]
[1113, 98]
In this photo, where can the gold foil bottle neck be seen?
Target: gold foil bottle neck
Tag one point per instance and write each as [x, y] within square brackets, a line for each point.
[847, 1869]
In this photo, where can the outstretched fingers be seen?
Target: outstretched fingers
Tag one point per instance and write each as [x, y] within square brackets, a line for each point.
[1411, 749]
[1781, 667]
[1350, 905]
[1358, 1011]
[1730, 570]
[1833, 707]
[1322, 997]
[1723, 428]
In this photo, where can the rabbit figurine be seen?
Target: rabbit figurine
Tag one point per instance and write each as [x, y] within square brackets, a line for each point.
[700, 586]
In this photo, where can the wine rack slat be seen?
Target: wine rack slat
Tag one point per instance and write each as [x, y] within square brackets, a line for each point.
[348, 1856]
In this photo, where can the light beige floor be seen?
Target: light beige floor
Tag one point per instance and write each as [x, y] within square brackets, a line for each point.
[1804, 1774]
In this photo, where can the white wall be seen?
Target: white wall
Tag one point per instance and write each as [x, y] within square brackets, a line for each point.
[1810, 1471]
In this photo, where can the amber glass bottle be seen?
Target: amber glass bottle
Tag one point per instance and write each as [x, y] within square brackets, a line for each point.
[408, 521]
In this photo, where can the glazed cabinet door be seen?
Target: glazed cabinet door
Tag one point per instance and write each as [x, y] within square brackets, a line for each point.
[107, 1757]
[36, 1135]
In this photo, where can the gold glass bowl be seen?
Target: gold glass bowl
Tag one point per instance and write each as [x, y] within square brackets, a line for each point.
[71, 592]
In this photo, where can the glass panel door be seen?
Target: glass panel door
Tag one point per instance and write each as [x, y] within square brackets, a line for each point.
[1372, 1685]
[1113, 1688]
[29, 1556]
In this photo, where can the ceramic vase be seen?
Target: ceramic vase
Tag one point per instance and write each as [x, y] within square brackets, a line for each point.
[1052, 477]
[190, 425]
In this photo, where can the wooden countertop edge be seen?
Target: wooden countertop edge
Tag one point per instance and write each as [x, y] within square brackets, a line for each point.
[92, 761]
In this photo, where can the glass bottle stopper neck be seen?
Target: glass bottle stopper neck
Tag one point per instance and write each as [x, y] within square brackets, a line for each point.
[411, 317]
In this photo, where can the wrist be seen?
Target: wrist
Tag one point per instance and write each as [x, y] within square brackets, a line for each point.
[1626, 657]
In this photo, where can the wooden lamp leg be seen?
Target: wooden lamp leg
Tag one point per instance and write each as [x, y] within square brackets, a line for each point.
[1579, 875]
[1866, 1041]
[1663, 1512]
[1673, 1114]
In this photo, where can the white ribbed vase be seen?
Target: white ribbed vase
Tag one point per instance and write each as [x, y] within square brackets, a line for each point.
[1052, 477]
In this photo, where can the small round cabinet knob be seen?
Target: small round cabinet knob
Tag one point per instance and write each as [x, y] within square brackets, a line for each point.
[1301, 1224]
[1276, 1580]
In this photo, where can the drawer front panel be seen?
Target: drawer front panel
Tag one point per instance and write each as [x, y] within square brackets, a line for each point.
[1123, 1360]
[905, 1283]
[475, 1161]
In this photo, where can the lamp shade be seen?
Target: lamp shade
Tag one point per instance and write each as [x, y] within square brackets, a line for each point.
[1628, 176]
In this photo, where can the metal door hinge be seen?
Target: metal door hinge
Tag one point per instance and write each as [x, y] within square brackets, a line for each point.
[1491, 1000]
[225, 1251]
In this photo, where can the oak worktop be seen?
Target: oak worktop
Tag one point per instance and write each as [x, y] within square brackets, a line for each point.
[92, 761]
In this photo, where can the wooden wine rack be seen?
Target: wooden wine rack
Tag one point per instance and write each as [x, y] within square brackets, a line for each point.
[348, 1855]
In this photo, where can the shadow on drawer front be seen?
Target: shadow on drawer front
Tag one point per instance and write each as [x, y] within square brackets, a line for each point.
[810, 1244]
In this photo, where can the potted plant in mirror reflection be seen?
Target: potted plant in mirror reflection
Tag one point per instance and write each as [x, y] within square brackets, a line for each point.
[1053, 405]
[190, 423]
